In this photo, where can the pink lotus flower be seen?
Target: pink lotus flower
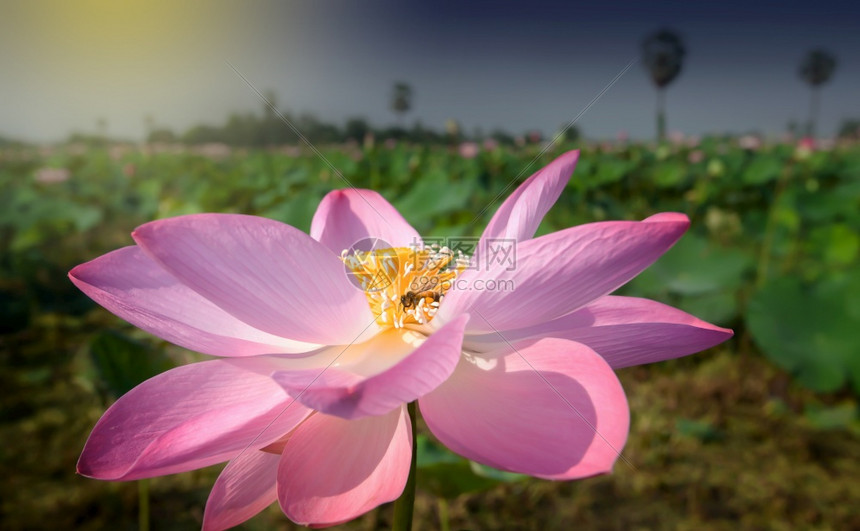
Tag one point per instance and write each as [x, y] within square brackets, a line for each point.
[750, 142]
[490, 144]
[696, 156]
[52, 175]
[469, 150]
[308, 401]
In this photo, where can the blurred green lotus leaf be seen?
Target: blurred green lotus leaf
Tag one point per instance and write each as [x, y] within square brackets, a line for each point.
[838, 244]
[434, 196]
[610, 170]
[494, 473]
[762, 169]
[719, 307]
[446, 474]
[810, 332]
[297, 211]
[669, 174]
[122, 363]
[694, 266]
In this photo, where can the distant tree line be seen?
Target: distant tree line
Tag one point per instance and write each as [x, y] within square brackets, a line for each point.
[250, 130]
[273, 127]
[269, 129]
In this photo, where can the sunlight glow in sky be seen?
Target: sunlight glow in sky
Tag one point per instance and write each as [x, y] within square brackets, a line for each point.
[487, 64]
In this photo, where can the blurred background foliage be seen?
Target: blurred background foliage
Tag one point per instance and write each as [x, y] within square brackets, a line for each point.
[761, 432]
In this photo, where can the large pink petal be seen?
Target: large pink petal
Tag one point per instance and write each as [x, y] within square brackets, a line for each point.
[347, 216]
[350, 392]
[189, 417]
[134, 287]
[626, 331]
[270, 275]
[556, 274]
[521, 213]
[334, 470]
[246, 486]
[552, 409]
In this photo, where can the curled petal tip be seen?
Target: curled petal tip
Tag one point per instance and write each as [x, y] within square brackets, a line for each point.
[670, 217]
[85, 469]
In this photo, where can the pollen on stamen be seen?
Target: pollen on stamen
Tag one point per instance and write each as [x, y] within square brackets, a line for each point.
[405, 285]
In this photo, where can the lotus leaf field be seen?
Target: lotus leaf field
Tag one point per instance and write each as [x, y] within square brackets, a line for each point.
[762, 432]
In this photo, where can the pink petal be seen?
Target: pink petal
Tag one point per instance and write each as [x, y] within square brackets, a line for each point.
[189, 417]
[349, 392]
[347, 216]
[555, 274]
[521, 213]
[552, 409]
[267, 274]
[132, 286]
[626, 331]
[333, 470]
[246, 486]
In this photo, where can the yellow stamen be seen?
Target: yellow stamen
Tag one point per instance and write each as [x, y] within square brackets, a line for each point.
[405, 285]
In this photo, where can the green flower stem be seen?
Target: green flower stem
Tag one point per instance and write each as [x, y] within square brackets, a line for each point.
[404, 505]
[770, 228]
[444, 523]
[143, 504]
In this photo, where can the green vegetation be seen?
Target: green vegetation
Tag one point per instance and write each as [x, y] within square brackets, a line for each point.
[762, 432]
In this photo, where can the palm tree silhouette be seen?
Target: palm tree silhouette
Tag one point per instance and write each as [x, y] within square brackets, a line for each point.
[663, 54]
[816, 69]
[401, 100]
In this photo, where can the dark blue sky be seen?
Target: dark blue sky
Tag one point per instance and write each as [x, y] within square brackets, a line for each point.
[488, 64]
